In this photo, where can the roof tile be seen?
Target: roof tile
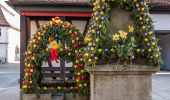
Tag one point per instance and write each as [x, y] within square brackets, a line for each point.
[164, 2]
[3, 21]
[51, 1]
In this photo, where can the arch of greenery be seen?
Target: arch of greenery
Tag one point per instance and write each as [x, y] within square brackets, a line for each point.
[39, 51]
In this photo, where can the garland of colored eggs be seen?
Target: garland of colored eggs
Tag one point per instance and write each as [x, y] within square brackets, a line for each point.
[147, 47]
[38, 51]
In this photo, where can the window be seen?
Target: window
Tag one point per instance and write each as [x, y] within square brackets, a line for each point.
[0, 32]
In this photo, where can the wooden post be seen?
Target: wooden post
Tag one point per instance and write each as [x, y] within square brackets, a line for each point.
[23, 43]
[62, 61]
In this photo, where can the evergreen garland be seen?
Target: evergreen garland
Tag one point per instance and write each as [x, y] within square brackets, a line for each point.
[38, 51]
[97, 35]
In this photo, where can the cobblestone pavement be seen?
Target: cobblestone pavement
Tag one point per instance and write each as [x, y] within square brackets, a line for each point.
[161, 87]
[9, 87]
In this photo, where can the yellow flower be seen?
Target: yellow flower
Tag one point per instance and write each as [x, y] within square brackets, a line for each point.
[123, 34]
[131, 28]
[56, 45]
[51, 38]
[87, 38]
[115, 37]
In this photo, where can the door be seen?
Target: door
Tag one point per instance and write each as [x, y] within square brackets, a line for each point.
[165, 45]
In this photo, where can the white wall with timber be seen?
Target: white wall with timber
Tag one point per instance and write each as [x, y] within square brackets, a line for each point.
[14, 43]
[3, 44]
[11, 34]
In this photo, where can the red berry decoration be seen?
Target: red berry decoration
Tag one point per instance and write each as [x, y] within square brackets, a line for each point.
[75, 46]
[28, 70]
[83, 77]
[42, 35]
[79, 43]
[52, 88]
[29, 87]
[79, 78]
[30, 74]
[81, 65]
[37, 42]
[77, 87]
[57, 18]
[28, 58]
[76, 33]
[76, 66]
[66, 27]
[48, 25]
[33, 66]
[72, 35]
[65, 88]
[58, 24]
[72, 26]
[66, 49]
[34, 54]
[38, 88]
[36, 36]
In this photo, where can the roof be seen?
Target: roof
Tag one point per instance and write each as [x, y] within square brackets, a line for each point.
[3, 21]
[162, 2]
[69, 2]
[48, 2]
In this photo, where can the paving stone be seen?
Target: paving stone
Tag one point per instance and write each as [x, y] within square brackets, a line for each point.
[9, 87]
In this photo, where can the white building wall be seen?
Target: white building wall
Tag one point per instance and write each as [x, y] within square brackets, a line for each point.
[3, 44]
[4, 35]
[161, 21]
[14, 40]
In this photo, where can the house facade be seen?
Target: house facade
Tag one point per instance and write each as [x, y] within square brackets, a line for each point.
[9, 35]
[3, 37]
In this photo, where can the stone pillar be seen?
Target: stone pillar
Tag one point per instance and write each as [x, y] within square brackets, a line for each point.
[111, 82]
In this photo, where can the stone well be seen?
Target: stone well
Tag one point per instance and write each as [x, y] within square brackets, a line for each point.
[112, 82]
